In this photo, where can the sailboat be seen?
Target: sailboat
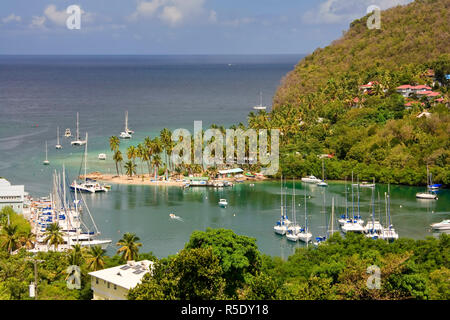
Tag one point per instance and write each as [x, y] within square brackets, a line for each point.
[282, 225]
[126, 134]
[68, 217]
[427, 195]
[58, 145]
[330, 231]
[87, 185]
[294, 229]
[353, 224]
[323, 183]
[304, 234]
[78, 141]
[388, 233]
[373, 227]
[260, 106]
[46, 162]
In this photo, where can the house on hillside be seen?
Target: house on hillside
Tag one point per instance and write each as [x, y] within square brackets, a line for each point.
[406, 90]
[114, 283]
[425, 114]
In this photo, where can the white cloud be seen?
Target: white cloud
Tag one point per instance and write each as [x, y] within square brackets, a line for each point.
[172, 12]
[38, 22]
[12, 17]
[55, 16]
[340, 11]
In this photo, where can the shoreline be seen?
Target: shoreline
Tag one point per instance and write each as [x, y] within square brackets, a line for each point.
[148, 180]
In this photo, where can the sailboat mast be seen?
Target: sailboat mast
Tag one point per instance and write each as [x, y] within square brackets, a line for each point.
[306, 222]
[323, 171]
[357, 192]
[46, 159]
[332, 217]
[57, 135]
[281, 197]
[353, 202]
[389, 204]
[346, 209]
[293, 201]
[85, 158]
[78, 132]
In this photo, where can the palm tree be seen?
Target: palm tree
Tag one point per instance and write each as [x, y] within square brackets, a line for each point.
[156, 162]
[76, 255]
[114, 143]
[9, 237]
[130, 168]
[27, 240]
[167, 144]
[118, 158]
[53, 235]
[96, 258]
[141, 153]
[131, 153]
[129, 246]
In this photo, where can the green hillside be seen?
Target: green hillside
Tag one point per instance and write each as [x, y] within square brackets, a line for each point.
[321, 108]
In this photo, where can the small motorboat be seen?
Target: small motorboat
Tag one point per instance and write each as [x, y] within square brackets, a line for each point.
[67, 134]
[311, 179]
[427, 196]
[366, 184]
[101, 156]
[322, 184]
[443, 225]
[223, 202]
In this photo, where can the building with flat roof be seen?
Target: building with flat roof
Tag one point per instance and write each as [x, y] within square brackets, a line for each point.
[11, 196]
[114, 283]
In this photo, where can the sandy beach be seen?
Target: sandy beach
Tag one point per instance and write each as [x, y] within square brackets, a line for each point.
[149, 180]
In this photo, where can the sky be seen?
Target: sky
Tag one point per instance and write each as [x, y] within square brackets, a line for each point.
[178, 26]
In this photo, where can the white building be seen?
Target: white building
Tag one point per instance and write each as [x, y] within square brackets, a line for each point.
[114, 283]
[11, 196]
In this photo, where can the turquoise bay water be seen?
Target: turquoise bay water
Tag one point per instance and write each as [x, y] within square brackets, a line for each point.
[252, 211]
[37, 94]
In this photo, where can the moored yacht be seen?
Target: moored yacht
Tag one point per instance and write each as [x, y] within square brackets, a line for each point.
[67, 133]
[311, 179]
[58, 145]
[78, 141]
[46, 162]
[88, 185]
[283, 224]
[443, 225]
[127, 133]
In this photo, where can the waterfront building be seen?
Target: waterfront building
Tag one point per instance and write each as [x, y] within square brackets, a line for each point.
[114, 283]
[11, 196]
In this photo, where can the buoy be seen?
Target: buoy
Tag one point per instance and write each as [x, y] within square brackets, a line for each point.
[400, 206]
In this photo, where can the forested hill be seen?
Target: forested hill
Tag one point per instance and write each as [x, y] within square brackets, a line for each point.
[344, 101]
[414, 34]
